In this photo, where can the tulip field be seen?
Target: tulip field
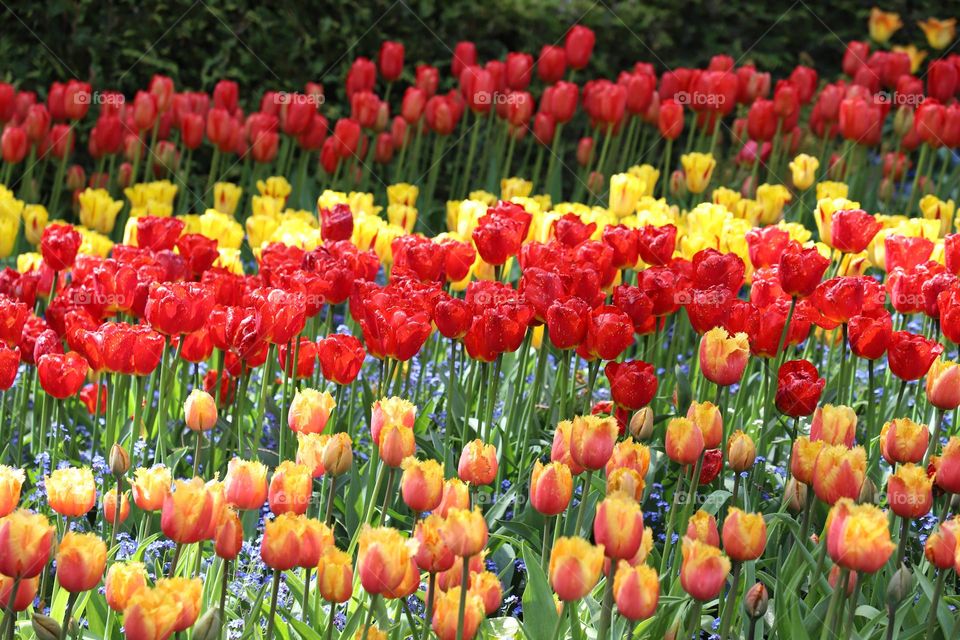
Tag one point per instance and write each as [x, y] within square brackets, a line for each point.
[489, 349]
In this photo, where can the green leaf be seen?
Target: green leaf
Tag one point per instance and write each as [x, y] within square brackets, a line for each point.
[539, 612]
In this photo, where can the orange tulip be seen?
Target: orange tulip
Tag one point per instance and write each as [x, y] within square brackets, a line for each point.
[200, 411]
[218, 508]
[646, 546]
[857, 536]
[370, 633]
[592, 439]
[421, 484]
[446, 615]
[839, 473]
[486, 585]
[383, 558]
[804, 457]
[940, 33]
[551, 487]
[618, 526]
[941, 546]
[723, 357]
[630, 454]
[903, 440]
[315, 538]
[834, 425]
[883, 24]
[280, 546]
[636, 590]
[338, 454]
[246, 483]
[704, 570]
[948, 466]
[391, 411]
[310, 447]
[478, 463]
[741, 452]
[151, 614]
[456, 495]
[465, 531]
[124, 579]
[186, 592]
[187, 511]
[575, 567]
[744, 535]
[627, 481]
[310, 411]
[26, 592]
[290, 488]
[151, 487]
[943, 384]
[26, 541]
[408, 585]
[71, 491]
[335, 575]
[81, 559]
[228, 539]
[684, 441]
[910, 491]
[560, 450]
[396, 443]
[11, 480]
[703, 527]
[110, 506]
[453, 577]
[706, 416]
[433, 555]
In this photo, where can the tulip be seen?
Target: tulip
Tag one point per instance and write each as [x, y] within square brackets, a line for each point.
[744, 535]
[228, 538]
[335, 576]
[151, 487]
[337, 455]
[703, 527]
[26, 541]
[941, 545]
[246, 483]
[383, 558]
[636, 590]
[903, 441]
[633, 384]
[943, 384]
[592, 439]
[200, 411]
[478, 463]
[124, 579]
[618, 526]
[280, 546]
[857, 537]
[59, 245]
[71, 492]
[446, 615]
[704, 570]
[575, 567]
[464, 532]
[579, 46]
[61, 375]
[910, 356]
[290, 488]
[698, 169]
[947, 468]
[799, 386]
[834, 424]
[852, 230]
[939, 33]
[11, 481]
[486, 585]
[433, 555]
[81, 559]
[723, 357]
[421, 485]
[684, 442]
[187, 593]
[314, 538]
[800, 270]
[396, 443]
[551, 487]
[396, 411]
[708, 419]
[910, 491]
[804, 170]
[150, 614]
[456, 495]
[631, 455]
[110, 507]
[839, 473]
[187, 511]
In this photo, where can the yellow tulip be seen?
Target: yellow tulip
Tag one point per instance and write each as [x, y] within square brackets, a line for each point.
[274, 187]
[832, 190]
[772, 197]
[361, 202]
[483, 196]
[403, 216]
[648, 175]
[94, 243]
[226, 197]
[804, 169]
[940, 33]
[98, 211]
[9, 228]
[698, 169]
[883, 24]
[229, 259]
[224, 229]
[933, 208]
[329, 199]
[625, 191]
[403, 193]
[267, 206]
[916, 56]
[35, 218]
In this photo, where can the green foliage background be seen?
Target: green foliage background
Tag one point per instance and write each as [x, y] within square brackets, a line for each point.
[281, 44]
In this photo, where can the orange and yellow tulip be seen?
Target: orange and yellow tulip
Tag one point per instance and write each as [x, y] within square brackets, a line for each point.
[26, 541]
[704, 570]
[575, 567]
[618, 526]
[71, 491]
[858, 538]
[744, 535]
[636, 590]
[421, 485]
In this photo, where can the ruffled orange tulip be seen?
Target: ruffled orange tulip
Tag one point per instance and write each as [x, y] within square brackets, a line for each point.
[636, 590]
[684, 441]
[124, 579]
[618, 526]
[486, 585]
[706, 416]
[741, 452]
[575, 567]
[704, 570]
[187, 511]
[395, 411]
[834, 425]
[433, 555]
[290, 488]
[702, 526]
[744, 535]
[910, 491]
[246, 483]
[592, 439]
[151, 487]
[383, 558]
[335, 575]
[421, 485]
[723, 357]
[151, 614]
[948, 466]
[310, 411]
[396, 443]
[446, 614]
[478, 463]
[560, 450]
[465, 531]
[81, 559]
[110, 506]
[11, 481]
[200, 411]
[551, 487]
[903, 440]
[228, 539]
[456, 495]
[187, 593]
[71, 491]
[280, 546]
[857, 536]
[26, 592]
[310, 447]
[839, 473]
[26, 541]
[804, 457]
[630, 454]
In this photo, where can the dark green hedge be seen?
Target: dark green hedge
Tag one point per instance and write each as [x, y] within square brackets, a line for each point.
[283, 43]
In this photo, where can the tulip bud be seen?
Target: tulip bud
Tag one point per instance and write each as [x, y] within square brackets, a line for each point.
[900, 586]
[45, 627]
[246, 483]
[200, 411]
[755, 601]
[795, 495]
[741, 452]
[684, 441]
[706, 416]
[119, 460]
[678, 184]
[868, 492]
[208, 626]
[641, 424]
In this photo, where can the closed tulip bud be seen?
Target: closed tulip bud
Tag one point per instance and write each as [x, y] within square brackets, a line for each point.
[903, 440]
[383, 558]
[678, 184]
[940, 548]
[723, 357]
[246, 483]
[338, 454]
[592, 439]
[703, 527]
[834, 425]
[81, 559]
[280, 546]
[575, 567]
[744, 535]
[910, 491]
[310, 411]
[446, 615]
[45, 627]
[943, 384]
[858, 538]
[486, 586]
[641, 424]
[151, 614]
[71, 492]
[684, 441]
[151, 486]
[421, 485]
[187, 510]
[868, 492]
[26, 592]
[228, 539]
[478, 463]
[618, 526]
[706, 416]
[795, 495]
[551, 487]
[636, 590]
[804, 457]
[209, 625]
[11, 481]
[110, 506]
[704, 570]
[397, 442]
[900, 586]
[741, 452]
[290, 488]
[335, 576]
[119, 460]
[200, 411]
[456, 495]
[465, 531]
[839, 472]
[755, 601]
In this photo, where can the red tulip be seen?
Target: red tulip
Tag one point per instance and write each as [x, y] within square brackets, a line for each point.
[910, 355]
[633, 384]
[799, 386]
[62, 375]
